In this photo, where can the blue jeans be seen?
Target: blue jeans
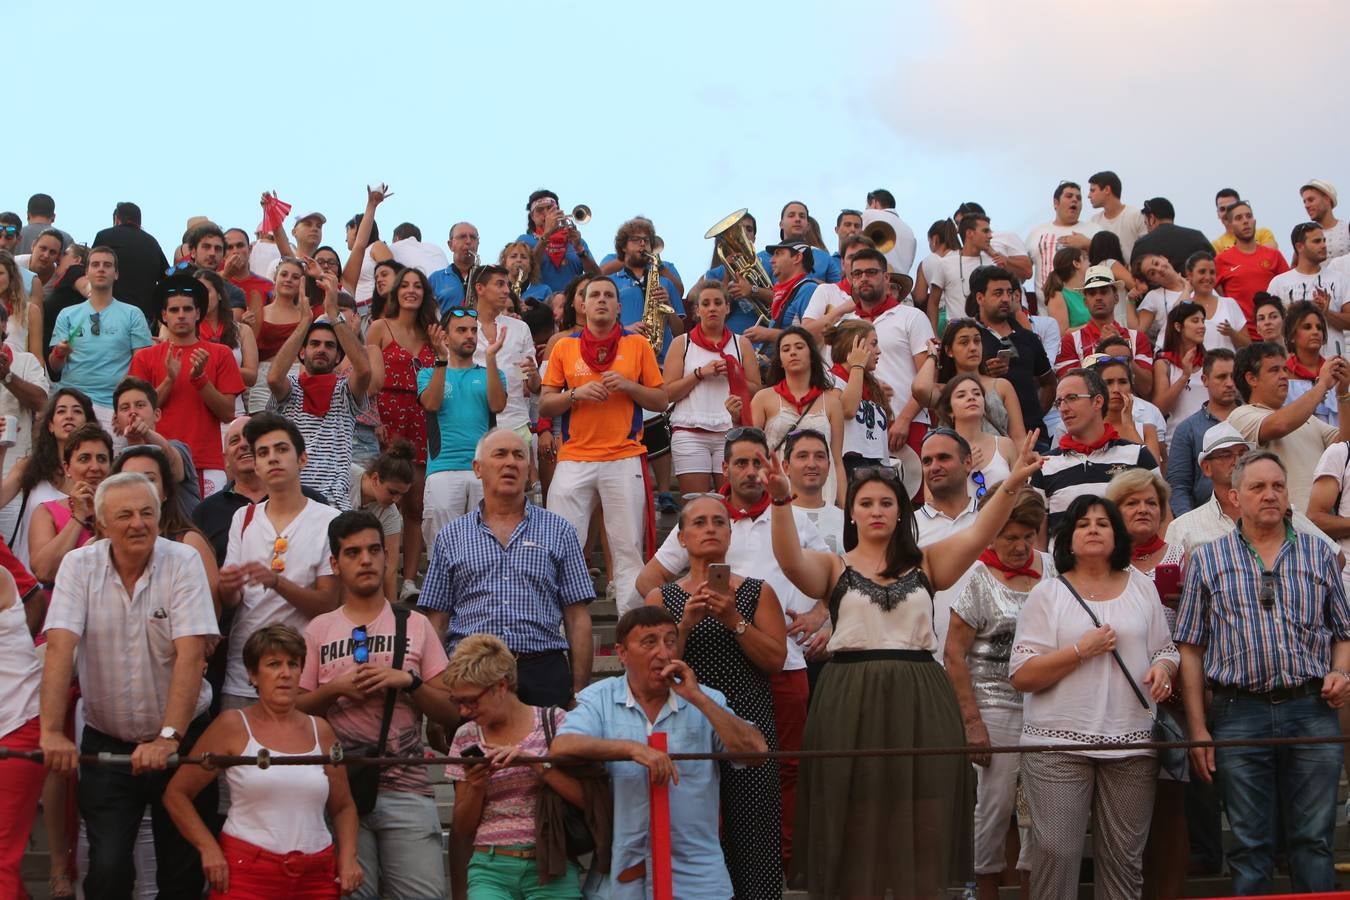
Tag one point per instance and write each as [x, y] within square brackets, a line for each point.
[1294, 786]
[399, 848]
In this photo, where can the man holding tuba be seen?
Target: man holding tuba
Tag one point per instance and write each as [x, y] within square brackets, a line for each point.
[558, 248]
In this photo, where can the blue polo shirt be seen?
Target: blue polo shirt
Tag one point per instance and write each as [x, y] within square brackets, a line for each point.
[665, 263]
[824, 267]
[461, 421]
[97, 362]
[557, 277]
[448, 286]
[608, 710]
[632, 300]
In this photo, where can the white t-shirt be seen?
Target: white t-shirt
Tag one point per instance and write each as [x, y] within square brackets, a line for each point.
[1129, 226]
[263, 259]
[1158, 301]
[420, 255]
[952, 274]
[865, 433]
[306, 557]
[1333, 465]
[1338, 239]
[1299, 450]
[1045, 240]
[934, 526]
[1005, 243]
[1294, 285]
[519, 345]
[1228, 311]
[928, 266]
[824, 298]
[902, 332]
[829, 522]
[365, 281]
[27, 367]
[751, 556]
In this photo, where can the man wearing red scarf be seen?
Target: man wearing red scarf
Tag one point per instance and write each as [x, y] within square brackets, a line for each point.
[1091, 452]
[196, 381]
[559, 251]
[599, 383]
[1100, 296]
[322, 403]
[791, 262]
[750, 554]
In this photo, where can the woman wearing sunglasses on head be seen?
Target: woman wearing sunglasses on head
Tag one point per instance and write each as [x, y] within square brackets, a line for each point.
[909, 820]
[275, 842]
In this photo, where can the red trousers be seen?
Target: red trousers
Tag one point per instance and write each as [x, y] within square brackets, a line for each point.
[258, 874]
[790, 695]
[20, 788]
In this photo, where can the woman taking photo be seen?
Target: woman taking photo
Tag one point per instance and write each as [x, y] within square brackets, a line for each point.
[403, 338]
[1141, 497]
[1305, 334]
[219, 327]
[869, 825]
[1225, 323]
[800, 395]
[866, 403]
[276, 321]
[710, 376]
[62, 525]
[962, 353]
[1075, 693]
[275, 841]
[732, 634]
[961, 407]
[979, 639]
[1064, 289]
[494, 819]
[1178, 390]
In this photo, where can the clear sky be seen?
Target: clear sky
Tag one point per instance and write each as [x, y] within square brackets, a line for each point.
[682, 113]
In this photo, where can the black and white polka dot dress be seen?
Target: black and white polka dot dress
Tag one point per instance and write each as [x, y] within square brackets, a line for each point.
[751, 796]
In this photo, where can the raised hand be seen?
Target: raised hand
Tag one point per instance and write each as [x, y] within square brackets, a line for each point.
[377, 195]
[774, 479]
[858, 354]
[198, 360]
[1028, 461]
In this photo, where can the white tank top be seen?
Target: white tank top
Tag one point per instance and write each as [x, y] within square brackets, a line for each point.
[705, 406]
[279, 809]
[21, 673]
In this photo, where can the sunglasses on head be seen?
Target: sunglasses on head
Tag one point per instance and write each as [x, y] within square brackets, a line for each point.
[461, 313]
[868, 473]
[741, 432]
[180, 266]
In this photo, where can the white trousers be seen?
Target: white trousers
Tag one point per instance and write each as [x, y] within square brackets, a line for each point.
[996, 794]
[619, 487]
[446, 497]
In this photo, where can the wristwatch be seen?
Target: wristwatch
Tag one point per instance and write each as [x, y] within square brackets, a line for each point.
[9, 376]
[167, 733]
[741, 626]
[413, 685]
[441, 363]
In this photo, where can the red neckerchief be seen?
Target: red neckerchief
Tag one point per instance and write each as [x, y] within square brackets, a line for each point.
[781, 292]
[209, 334]
[843, 372]
[753, 512]
[844, 286]
[781, 389]
[888, 303]
[599, 353]
[735, 373]
[1197, 358]
[991, 559]
[1299, 370]
[318, 391]
[8, 351]
[1069, 442]
[557, 247]
[1147, 548]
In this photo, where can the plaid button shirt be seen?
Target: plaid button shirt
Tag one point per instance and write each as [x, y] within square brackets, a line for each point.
[517, 591]
[1246, 644]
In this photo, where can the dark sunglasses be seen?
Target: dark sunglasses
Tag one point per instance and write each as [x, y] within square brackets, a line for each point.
[741, 432]
[94, 326]
[360, 645]
[980, 488]
[461, 313]
[180, 266]
[9, 229]
[1267, 595]
[885, 473]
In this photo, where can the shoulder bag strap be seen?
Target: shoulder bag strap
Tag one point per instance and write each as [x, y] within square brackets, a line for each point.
[1116, 653]
[391, 695]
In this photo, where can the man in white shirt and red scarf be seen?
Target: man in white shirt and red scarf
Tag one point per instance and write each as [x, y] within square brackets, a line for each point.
[321, 403]
[599, 382]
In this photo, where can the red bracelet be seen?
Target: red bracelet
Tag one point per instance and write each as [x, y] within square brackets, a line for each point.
[785, 501]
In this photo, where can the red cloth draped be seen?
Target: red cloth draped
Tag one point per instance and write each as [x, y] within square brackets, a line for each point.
[1299, 370]
[318, 391]
[843, 372]
[781, 292]
[599, 353]
[871, 315]
[992, 560]
[1147, 548]
[753, 512]
[782, 390]
[735, 372]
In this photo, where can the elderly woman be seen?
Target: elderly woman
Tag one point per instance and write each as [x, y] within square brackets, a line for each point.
[1142, 497]
[979, 639]
[494, 818]
[1077, 693]
[732, 634]
[275, 842]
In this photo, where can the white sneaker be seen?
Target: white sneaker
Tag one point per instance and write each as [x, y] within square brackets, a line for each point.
[409, 589]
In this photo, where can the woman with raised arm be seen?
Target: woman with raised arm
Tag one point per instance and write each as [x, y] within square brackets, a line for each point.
[961, 352]
[871, 824]
[276, 321]
[219, 327]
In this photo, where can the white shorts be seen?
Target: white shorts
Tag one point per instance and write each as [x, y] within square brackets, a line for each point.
[446, 497]
[696, 452]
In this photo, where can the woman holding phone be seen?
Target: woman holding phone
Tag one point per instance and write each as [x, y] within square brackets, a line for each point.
[1142, 497]
[732, 634]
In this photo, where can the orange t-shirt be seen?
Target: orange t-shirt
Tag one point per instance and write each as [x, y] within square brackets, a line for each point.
[595, 432]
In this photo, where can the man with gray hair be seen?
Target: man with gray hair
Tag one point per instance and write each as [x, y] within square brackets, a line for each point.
[138, 607]
[451, 284]
[515, 570]
[1265, 626]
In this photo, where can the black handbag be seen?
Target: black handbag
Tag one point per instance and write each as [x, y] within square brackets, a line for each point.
[364, 780]
[1173, 760]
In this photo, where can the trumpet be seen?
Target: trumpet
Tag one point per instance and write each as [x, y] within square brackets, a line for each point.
[581, 214]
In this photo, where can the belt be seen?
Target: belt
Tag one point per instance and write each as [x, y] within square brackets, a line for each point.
[526, 657]
[295, 864]
[1310, 688]
[513, 852]
[852, 656]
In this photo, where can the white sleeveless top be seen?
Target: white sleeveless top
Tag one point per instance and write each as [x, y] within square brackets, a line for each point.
[21, 674]
[279, 809]
[705, 406]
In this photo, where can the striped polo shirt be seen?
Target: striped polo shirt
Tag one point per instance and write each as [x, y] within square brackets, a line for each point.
[1067, 475]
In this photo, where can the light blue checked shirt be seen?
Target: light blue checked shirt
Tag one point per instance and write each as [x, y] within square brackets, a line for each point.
[1251, 647]
[516, 592]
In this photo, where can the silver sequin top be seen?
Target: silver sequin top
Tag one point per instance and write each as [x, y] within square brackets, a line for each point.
[987, 605]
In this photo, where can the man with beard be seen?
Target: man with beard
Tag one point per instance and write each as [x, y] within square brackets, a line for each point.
[322, 403]
[1011, 351]
[450, 285]
[1311, 280]
[1247, 266]
[1319, 199]
[1065, 230]
[206, 249]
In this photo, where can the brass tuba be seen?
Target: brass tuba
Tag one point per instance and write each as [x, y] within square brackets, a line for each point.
[737, 251]
[654, 312]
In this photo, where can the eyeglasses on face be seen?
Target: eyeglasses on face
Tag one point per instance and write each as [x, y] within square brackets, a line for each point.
[1069, 398]
[471, 702]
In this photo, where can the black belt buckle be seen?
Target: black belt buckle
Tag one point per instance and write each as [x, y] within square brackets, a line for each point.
[1284, 694]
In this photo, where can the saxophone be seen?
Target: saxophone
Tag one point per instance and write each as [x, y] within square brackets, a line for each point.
[471, 292]
[653, 312]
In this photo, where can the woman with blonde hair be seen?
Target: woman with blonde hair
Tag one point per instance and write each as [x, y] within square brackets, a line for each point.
[493, 854]
[24, 331]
